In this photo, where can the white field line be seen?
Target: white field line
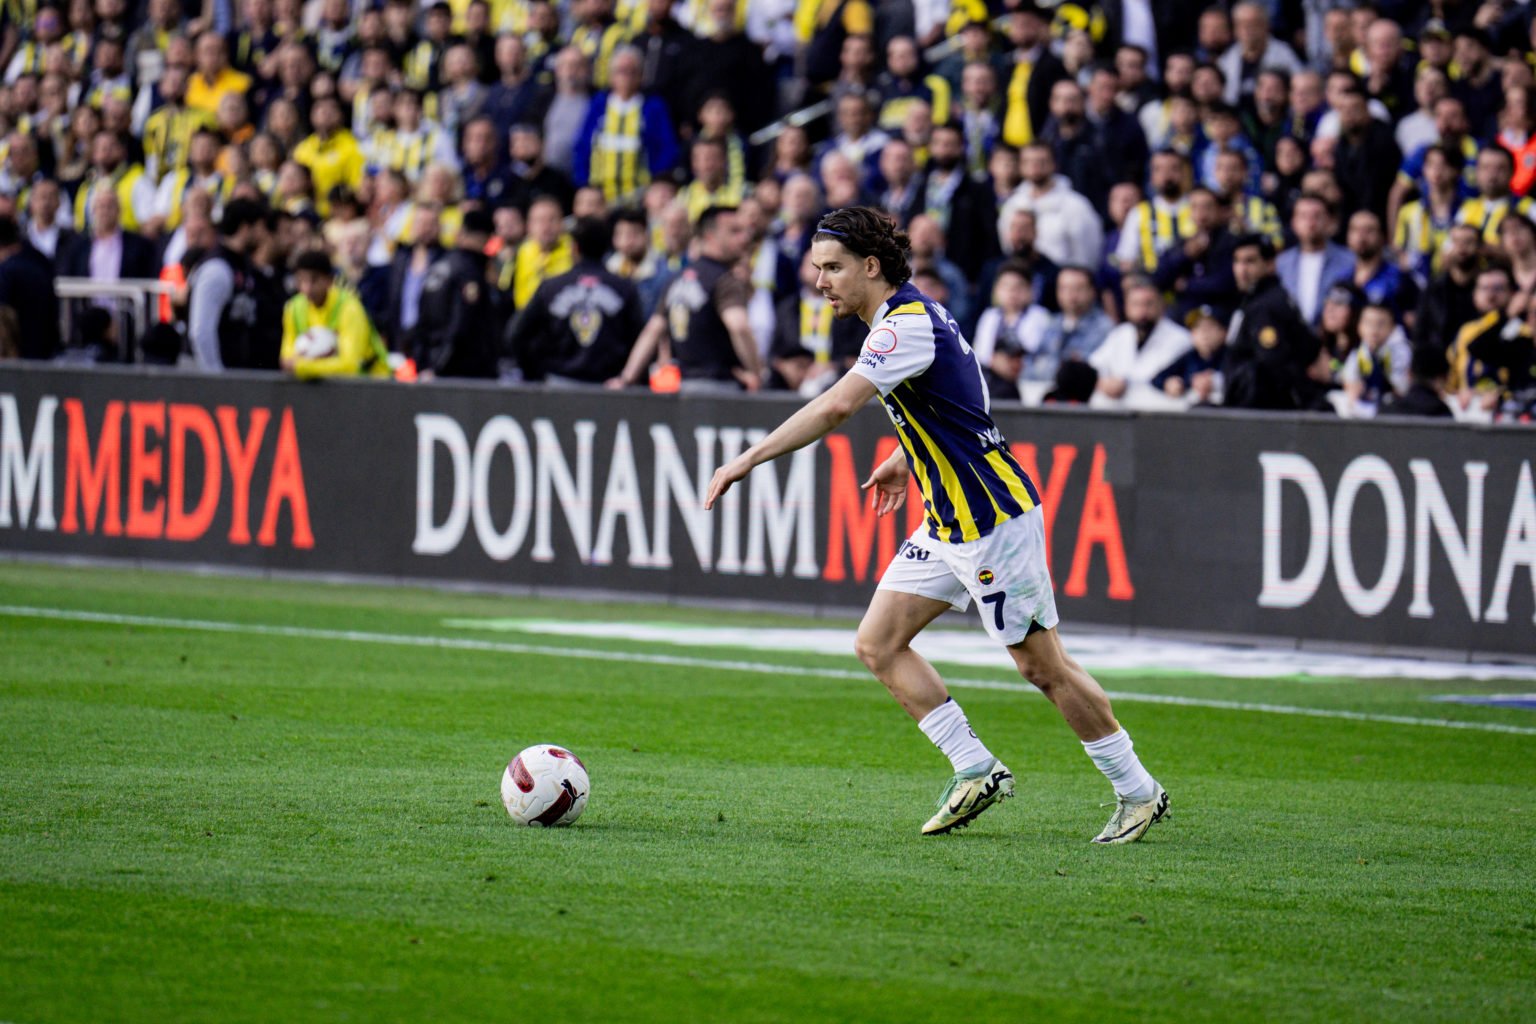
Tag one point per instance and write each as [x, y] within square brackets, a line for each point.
[731, 665]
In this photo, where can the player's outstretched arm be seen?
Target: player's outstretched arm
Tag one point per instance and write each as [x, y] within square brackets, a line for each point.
[813, 421]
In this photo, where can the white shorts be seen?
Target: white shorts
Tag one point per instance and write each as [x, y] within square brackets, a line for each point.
[1005, 572]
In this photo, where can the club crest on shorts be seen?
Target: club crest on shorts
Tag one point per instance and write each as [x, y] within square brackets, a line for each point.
[985, 577]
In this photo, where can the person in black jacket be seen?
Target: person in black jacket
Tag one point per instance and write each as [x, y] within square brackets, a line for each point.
[1198, 270]
[578, 328]
[965, 208]
[29, 309]
[456, 335]
[1271, 347]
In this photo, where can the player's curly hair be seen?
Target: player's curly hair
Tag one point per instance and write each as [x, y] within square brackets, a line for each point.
[867, 232]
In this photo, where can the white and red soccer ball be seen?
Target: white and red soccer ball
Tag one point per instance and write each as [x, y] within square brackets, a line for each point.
[545, 786]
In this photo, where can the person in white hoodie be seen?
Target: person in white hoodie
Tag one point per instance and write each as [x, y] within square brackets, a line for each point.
[1068, 230]
[1138, 350]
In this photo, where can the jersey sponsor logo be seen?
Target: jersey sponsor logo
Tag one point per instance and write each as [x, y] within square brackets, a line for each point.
[912, 553]
[881, 342]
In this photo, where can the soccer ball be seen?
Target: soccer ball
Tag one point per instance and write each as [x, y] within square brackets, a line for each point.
[545, 786]
[315, 343]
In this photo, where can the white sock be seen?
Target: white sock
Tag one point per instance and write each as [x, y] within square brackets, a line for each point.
[1117, 759]
[947, 727]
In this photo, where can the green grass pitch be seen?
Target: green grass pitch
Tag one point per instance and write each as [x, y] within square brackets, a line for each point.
[232, 826]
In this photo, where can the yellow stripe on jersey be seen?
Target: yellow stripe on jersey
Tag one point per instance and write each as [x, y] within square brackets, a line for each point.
[1001, 515]
[1010, 477]
[911, 307]
[947, 478]
[921, 472]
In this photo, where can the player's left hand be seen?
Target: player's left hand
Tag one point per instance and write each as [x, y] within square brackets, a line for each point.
[724, 477]
[889, 481]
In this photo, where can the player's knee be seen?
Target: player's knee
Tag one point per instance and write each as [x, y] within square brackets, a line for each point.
[874, 651]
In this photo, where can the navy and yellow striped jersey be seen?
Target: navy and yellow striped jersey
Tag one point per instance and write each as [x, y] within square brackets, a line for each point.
[933, 391]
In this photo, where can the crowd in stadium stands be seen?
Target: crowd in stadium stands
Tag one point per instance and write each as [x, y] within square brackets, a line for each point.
[1284, 204]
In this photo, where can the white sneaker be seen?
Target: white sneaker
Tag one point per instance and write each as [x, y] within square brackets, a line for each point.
[1132, 818]
[968, 794]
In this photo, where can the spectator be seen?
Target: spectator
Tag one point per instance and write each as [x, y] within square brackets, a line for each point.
[1388, 75]
[1317, 262]
[1198, 271]
[857, 138]
[898, 170]
[1117, 142]
[1381, 281]
[1366, 157]
[111, 252]
[486, 183]
[1491, 355]
[408, 275]
[200, 174]
[538, 177]
[1076, 332]
[415, 140]
[322, 302]
[962, 207]
[979, 115]
[627, 138]
[1418, 129]
[1424, 223]
[704, 318]
[667, 51]
[1254, 51]
[1492, 203]
[1035, 70]
[456, 334]
[111, 172]
[579, 327]
[514, 94]
[1003, 170]
[1003, 369]
[1426, 388]
[717, 121]
[1015, 315]
[45, 225]
[791, 154]
[1338, 328]
[567, 111]
[1019, 246]
[331, 154]
[1517, 241]
[1066, 131]
[928, 253]
[1251, 212]
[1156, 225]
[725, 62]
[1195, 377]
[1379, 367]
[631, 257]
[29, 309]
[823, 29]
[1451, 131]
[811, 349]
[462, 93]
[1265, 121]
[1477, 85]
[904, 81]
[214, 78]
[709, 185]
[234, 320]
[546, 253]
[1068, 229]
[1138, 350]
[1272, 347]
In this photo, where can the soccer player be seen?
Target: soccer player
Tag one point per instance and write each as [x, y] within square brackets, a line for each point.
[984, 537]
